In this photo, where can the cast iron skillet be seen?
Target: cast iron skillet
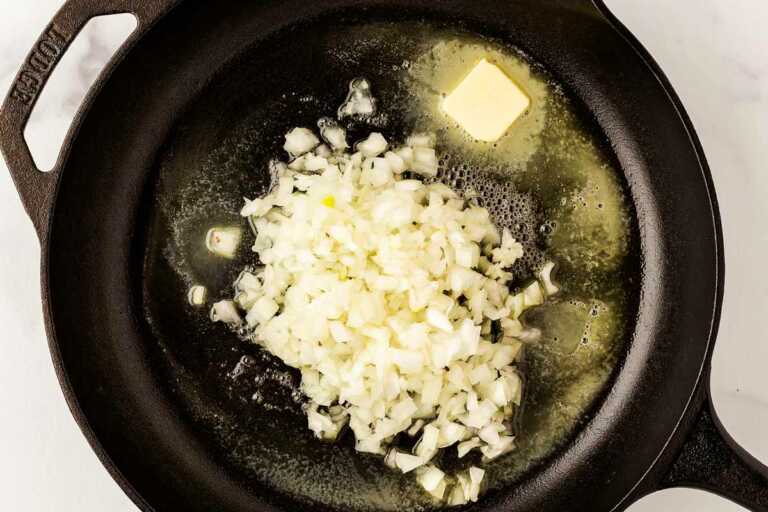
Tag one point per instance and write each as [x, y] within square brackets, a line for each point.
[654, 428]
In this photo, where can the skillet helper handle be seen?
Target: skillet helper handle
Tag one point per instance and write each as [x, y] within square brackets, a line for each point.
[711, 460]
[35, 187]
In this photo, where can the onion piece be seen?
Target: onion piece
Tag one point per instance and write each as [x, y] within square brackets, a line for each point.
[439, 492]
[262, 311]
[223, 241]
[299, 141]
[427, 445]
[545, 275]
[360, 101]
[407, 462]
[439, 320]
[225, 311]
[457, 496]
[373, 146]
[476, 476]
[465, 447]
[390, 458]
[430, 477]
[196, 295]
[396, 162]
[424, 161]
[333, 134]
[505, 445]
[533, 295]
[416, 427]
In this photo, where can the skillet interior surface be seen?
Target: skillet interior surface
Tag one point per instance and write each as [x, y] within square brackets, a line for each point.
[187, 105]
[562, 200]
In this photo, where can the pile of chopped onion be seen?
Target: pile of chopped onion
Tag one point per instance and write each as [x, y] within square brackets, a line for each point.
[383, 292]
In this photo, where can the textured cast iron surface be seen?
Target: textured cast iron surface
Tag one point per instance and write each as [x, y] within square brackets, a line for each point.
[709, 460]
[91, 266]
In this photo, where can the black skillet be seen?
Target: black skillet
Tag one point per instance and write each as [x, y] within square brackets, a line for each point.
[653, 428]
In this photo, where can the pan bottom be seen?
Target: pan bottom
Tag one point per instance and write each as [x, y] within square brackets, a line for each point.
[555, 185]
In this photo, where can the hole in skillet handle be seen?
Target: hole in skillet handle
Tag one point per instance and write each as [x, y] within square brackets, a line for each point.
[86, 58]
[36, 188]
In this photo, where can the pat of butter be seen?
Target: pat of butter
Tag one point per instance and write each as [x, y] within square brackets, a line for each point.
[486, 102]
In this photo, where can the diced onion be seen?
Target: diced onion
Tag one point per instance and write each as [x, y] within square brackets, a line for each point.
[374, 145]
[223, 241]
[196, 295]
[407, 462]
[225, 311]
[475, 477]
[333, 134]
[299, 141]
[545, 275]
[396, 162]
[439, 492]
[466, 446]
[360, 101]
[430, 478]
[383, 292]
[533, 295]
[424, 161]
[427, 446]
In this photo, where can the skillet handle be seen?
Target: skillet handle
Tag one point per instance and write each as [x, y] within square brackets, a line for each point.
[35, 187]
[711, 460]
[708, 458]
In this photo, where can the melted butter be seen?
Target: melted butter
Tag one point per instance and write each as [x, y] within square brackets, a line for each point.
[550, 179]
[434, 75]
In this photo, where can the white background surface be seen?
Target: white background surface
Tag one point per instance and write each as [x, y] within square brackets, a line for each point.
[714, 52]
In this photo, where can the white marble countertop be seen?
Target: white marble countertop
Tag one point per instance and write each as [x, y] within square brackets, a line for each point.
[714, 52]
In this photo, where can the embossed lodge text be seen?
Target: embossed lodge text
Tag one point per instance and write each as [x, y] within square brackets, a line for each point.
[40, 62]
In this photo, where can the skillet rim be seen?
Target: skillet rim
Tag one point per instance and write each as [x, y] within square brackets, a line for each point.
[697, 399]
[54, 347]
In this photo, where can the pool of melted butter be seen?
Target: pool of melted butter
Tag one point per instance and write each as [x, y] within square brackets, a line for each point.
[551, 180]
